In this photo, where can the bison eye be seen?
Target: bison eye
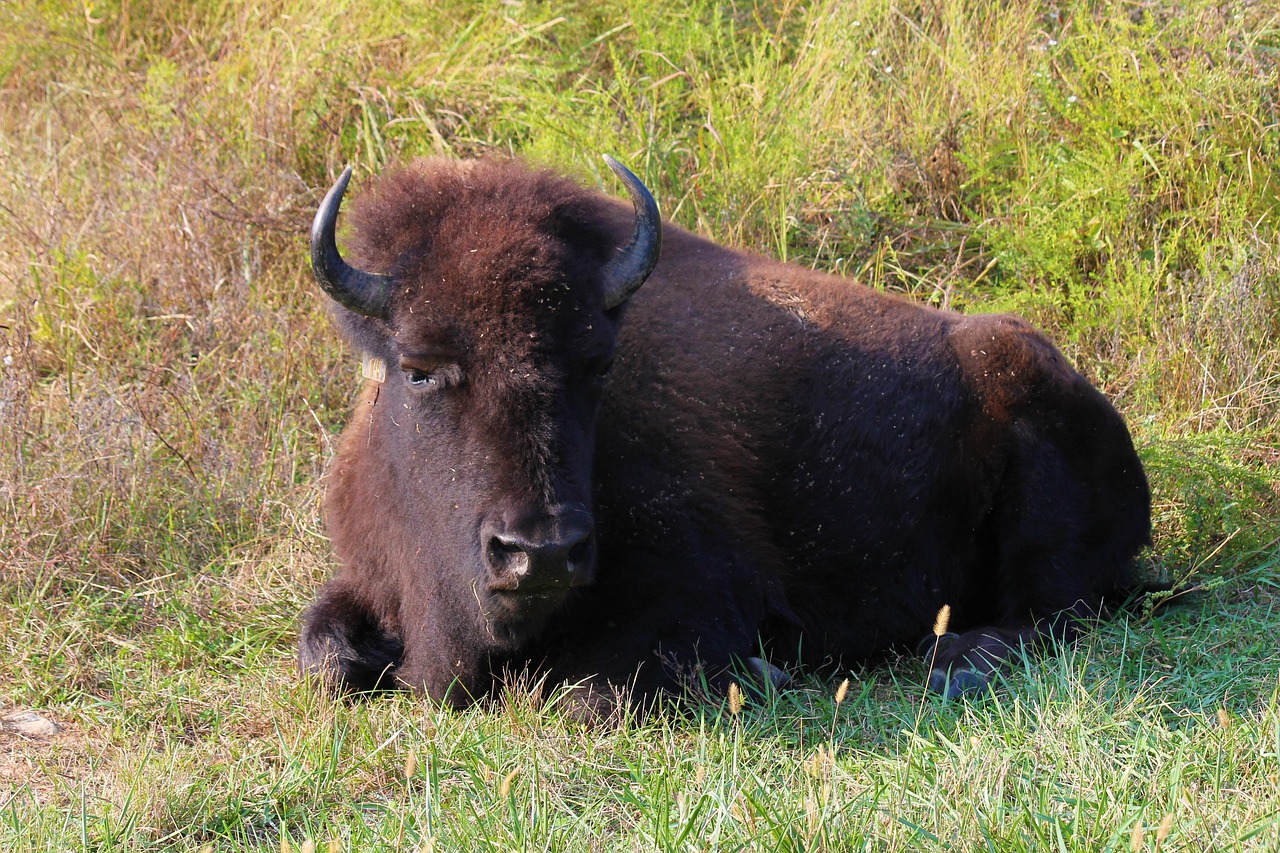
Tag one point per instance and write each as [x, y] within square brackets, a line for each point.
[601, 367]
[423, 377]
[597, 370]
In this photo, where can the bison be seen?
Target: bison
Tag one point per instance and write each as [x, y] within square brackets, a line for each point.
[743, 463]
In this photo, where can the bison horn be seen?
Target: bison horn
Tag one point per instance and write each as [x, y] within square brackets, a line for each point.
[362, 292]
[632, 265]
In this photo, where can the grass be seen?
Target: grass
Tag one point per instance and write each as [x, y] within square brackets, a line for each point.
[171, 390]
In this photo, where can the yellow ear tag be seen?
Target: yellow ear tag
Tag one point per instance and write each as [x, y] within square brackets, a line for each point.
[372, 367]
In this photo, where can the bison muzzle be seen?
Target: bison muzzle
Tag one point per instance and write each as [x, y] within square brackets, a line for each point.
[608, 486]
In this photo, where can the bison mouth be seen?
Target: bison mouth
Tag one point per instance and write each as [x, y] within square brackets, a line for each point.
[533, 600]
[525, 606]
[539, 591]
[517, 618]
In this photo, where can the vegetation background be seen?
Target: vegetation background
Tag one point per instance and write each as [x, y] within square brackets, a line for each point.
[171, 388]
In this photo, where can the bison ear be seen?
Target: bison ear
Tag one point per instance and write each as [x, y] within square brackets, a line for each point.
[362, 292]
[631, 266]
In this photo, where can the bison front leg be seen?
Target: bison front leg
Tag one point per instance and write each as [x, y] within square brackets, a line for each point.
[346, 645]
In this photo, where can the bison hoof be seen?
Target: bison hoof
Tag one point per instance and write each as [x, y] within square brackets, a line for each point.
[934, 644]
[768, 675]
[958, 684]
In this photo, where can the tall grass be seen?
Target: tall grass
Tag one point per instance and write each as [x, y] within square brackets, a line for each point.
[171, 389]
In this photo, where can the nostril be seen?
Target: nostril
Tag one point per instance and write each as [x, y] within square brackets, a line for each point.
[545, 552]
[508, 555]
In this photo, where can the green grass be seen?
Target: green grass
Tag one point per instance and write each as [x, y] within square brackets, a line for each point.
[171, 390]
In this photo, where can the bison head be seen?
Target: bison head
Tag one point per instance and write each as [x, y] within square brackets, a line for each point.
[493, 296]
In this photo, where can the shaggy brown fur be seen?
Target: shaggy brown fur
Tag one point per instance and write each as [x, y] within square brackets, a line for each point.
[781, 462]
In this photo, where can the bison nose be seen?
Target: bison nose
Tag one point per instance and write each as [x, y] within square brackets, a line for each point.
[539, 557]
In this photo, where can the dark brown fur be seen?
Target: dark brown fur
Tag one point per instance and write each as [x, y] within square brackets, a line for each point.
[780, 460]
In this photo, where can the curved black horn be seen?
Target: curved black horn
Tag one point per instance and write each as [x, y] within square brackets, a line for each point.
[365, 293]
[632, 265]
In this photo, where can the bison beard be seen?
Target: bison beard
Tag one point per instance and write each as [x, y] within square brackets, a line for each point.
[608, 485]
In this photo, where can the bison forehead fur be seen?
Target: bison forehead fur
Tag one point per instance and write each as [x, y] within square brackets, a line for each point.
[483, 252]
[780, 463]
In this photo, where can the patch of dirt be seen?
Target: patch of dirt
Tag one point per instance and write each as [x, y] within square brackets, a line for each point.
[39, 756]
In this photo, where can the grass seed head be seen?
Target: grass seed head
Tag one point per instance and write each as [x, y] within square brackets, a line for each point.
[1162, 832]
[735, 698]
[941, 622]
[842, 691]
[820, 762]
[504, 790]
